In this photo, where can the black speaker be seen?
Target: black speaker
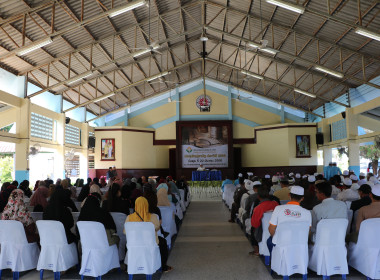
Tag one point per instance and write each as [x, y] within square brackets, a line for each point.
[319, 138]
[91, 142]
[343, 115]
[67, 120]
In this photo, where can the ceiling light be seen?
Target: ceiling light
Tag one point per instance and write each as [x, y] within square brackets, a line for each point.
[288, 6]
[203, 38]
[251, 74]
[130, 6]
[329, 71]
[79, 77]
[253, 45]
[305, 93]
[142, 52]
[35, 45]
[104, 97]
[269, 50]
[367, 33]
[129, 109]
[157, 76]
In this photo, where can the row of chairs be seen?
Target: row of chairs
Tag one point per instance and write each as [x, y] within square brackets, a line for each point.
[97, 256]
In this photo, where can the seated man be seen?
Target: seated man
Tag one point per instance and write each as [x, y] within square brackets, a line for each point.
[290, 212]
[283, 193]
[258, 212]
[348, 193]
[226, 182]
[201, 168]
[329, 208]
[367, 212]
[364, 200]
[237, 198]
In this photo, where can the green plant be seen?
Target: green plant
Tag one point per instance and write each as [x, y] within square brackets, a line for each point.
[372, 153]
[6, 168]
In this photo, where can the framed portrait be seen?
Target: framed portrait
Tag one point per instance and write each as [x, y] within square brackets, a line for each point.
[303, 146]
[107, 149]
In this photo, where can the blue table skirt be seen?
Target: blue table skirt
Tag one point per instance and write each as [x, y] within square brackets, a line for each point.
[206, 175]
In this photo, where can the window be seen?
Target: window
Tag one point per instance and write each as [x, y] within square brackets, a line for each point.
[41, 127]
[72, 135]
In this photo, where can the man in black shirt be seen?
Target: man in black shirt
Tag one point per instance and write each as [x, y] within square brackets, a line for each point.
[364, 200]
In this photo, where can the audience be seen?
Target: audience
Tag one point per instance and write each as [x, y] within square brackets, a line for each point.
[39, 198]
[91, 211]
[24, 186]
[4, 195]
[283, 193]
[114, 203]
[365, 199]
[57, 209]
[162, 195]
[237, 198]
[16, 210]
[348, 193]
[85, 190]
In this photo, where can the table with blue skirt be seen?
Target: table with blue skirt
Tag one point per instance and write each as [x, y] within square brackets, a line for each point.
[206, 183]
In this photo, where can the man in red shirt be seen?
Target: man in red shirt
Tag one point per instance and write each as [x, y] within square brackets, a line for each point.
[258, 212]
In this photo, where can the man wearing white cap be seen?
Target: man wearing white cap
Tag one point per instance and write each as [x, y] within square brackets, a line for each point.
[236, 182]
[355, 186]
[367, 212]
[290, 212]
[249, 187]
[237, 198]
[275, 186]
[329, 208]
[348, 194]
[362, 179]
[226, 182]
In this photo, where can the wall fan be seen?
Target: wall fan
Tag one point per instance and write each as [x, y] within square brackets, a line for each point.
[34, 150]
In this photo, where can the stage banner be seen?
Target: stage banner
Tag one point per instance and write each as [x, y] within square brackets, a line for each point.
[207, 145]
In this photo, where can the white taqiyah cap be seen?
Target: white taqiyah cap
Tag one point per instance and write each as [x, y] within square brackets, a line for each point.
[298, 175]
[304, 176]
[353, 177]
[297, 190]
[316, 174]
[274, 179]
[355, 186]
[372, 179]
[249, 173]
[345, 173]
[267, 176]
[376, 190]
[256, 183]
[347, 182]
[240, 175]
[362, 174]
[311, 179]
[248, 185]
[291, 174]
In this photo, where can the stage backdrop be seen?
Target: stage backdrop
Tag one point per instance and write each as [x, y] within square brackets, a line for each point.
[204, 142]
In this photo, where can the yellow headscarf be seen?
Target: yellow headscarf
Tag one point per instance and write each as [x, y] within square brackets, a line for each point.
[141, 211]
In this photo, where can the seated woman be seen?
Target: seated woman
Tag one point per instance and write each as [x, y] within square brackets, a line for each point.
[91, 211]
[162, 195]
[94, 189]
[142, 214]
[4, 195]
[57, 210]
[16, 210]
[114, 203]
[39, 199]
[24, 186]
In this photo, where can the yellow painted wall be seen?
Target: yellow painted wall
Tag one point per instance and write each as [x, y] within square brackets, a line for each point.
[219, 104]
[242, 131]
[153, 116]
[133, 149]
[9, 116]
[166, 132]
[259, 116]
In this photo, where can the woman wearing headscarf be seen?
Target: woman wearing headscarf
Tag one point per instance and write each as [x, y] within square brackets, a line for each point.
[85, 191]
[24, 186]
[16, 210]
[91, 211]
[142, 214]
[4, 195]
[39, 199]
[57, 209]
[114, 203]
[162, 195]
[94, 189]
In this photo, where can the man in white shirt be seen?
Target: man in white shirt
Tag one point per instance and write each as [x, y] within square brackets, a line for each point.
[290, 212]
[362, 178]
[329, 208]
[201, 168]
[348, 194]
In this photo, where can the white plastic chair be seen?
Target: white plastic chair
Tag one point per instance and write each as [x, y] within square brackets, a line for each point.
[364, 256]
[229, 190]
[36, 216]
[328, 256]
[182, 193]
[263, 248]
[178, 210]
[119, 219]
[78, 205]
[16, 253]
[56, 254]
[97, 256]
[143, 253]
[168, 222]
[290, 255]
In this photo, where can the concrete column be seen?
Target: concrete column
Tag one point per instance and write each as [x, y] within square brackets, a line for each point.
[177, 97]
[353, 157]
[83, 157]
[22, 148]
[327, 158]
[353, 147]
[229, 96]
[59, 154]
